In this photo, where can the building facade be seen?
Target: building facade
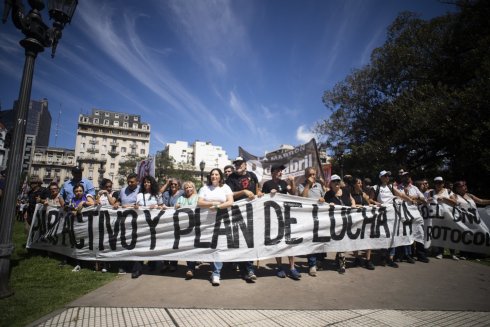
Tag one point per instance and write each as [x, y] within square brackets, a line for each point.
[38, 128]
[105, 139]
[52, 164]
[213, 156]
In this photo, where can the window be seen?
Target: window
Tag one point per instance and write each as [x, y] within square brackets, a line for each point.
[106, 121]
[113, 166]
[83, 145]
[96, 120]
[123, 149]
[125, 125]
[135, 118]
[116, 116]
[116, 123]
[106, 114]
[135, 125]
[126, 117]
[96, 113]
[142, 151]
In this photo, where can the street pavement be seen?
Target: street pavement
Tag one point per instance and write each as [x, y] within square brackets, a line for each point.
[440, 293]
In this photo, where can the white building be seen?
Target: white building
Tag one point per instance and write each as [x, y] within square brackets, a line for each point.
[51, 164]
[107, 138]
[213, 156]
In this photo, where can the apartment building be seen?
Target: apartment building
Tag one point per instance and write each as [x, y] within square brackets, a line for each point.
[105, 139]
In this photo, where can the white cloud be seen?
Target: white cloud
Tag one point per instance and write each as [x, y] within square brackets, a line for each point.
[304, 134]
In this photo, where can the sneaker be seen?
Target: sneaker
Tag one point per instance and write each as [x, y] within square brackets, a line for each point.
[104, 270]
[369, 265]
[136, 273]
[215, 280]
[423, 259]
[189, 274]
[121, 271]
[294, 274]
[462, 258]
[280, 273]
[250, 277]
[76, 268]
[391, 263]
[357, 262]
[341, 261]
[312, 271]
[454, 257]
[409, 259]
[439, 256]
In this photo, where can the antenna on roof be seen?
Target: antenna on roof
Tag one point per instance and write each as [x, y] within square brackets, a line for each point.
[57, 128]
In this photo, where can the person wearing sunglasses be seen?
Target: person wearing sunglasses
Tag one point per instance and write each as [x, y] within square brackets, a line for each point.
[313, 189]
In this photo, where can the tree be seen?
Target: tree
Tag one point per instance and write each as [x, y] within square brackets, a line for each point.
[127, 167]
[422, 102]
[166, 167]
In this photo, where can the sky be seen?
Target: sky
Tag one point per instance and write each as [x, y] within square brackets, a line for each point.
[247, 73]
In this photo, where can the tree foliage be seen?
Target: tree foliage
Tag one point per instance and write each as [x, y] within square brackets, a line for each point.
[422, 102]
[166, 167]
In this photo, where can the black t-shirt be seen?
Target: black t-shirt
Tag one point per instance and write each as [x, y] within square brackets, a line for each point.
[360, 199]
[343, 200]
[32, 195]
[281, 186]
[243, 182]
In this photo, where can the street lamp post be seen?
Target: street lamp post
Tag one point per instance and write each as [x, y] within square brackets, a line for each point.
[202, 164]
[38, 36]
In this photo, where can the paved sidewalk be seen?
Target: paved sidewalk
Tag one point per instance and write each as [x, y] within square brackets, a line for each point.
[88, 316]
[442, 292]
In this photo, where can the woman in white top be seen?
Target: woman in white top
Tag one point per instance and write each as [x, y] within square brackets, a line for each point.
[440, 194]
[105, 196]
[466, 199]
[149, 196]
[215, 195]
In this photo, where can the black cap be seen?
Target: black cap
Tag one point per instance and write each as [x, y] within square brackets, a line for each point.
[277, 167]
[76, 170]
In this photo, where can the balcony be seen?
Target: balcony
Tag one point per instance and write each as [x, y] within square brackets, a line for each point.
[113, 153]
[92, 150]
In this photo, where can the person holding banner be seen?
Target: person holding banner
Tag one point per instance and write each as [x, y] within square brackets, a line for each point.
[54, 199]
[273, 186]
[188, 199]
[244, 185]
[312, 189]
[440, 194]
[149, 195]
[67, 188]
[215, 195]
[105, 196]
[337, 195]
[385, 193]
[362, 199]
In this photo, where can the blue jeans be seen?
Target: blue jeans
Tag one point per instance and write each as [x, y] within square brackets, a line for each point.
[191, 265]
[313, 258]
[246, 267]
[217, 268]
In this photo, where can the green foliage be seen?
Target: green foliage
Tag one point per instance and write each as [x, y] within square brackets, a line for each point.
[41, 286]
[165, 168]
[126, 167]
[421, 103]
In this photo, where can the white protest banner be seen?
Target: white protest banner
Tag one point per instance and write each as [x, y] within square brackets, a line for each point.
[281, 225]
[459, 228]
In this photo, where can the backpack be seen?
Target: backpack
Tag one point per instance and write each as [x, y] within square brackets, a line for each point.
[376, 191]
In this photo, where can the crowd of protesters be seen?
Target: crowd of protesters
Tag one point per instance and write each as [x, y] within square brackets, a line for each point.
[234, 183]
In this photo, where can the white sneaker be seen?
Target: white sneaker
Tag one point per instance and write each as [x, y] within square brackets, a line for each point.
[439, 256]
[76, 269]
[104, 270]
[462, 258]
[454, 257]
[215, 280]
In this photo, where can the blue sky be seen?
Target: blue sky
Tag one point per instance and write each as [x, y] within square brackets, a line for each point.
[247, 73]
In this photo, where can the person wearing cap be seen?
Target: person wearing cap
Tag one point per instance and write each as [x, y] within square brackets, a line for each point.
[438, 195]
[67, 188]
[278, 185]
[37, 194]
[405, 185]
[312, 189]
[385, 193]
[244, 185]
[338, 195]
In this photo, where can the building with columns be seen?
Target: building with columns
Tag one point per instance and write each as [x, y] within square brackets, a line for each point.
[105, 139]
